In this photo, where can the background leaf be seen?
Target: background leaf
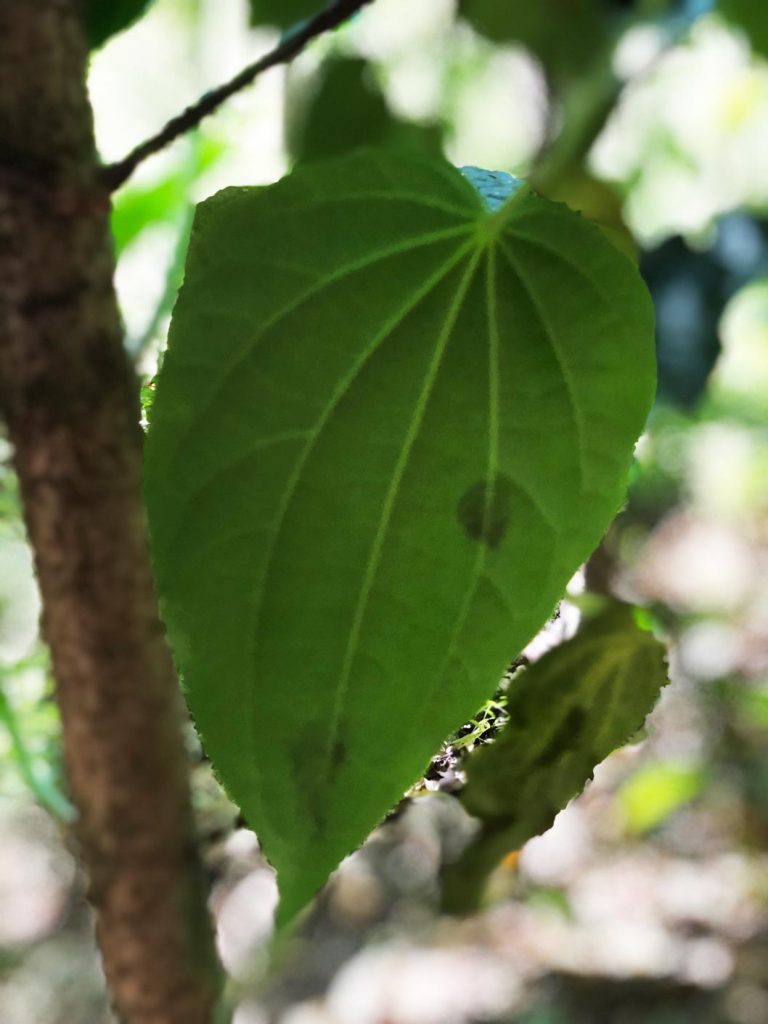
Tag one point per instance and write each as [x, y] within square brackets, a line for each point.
[567, 712]
[388, 428]
[751, 16]
[283, 13]
[563, 34]
[315, 127]
[657, 790]
[105, 18]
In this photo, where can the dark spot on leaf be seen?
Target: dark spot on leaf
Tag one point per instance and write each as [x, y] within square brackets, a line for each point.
[564, 738]
[339, 755]
[485, 508]
[308, 758]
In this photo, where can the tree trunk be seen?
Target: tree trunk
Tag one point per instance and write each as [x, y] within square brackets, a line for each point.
[70, 402]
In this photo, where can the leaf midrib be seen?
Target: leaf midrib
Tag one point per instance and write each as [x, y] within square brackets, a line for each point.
[390, 499]
[562, 362]
[494, 430]
[413, 301]
[249, 347]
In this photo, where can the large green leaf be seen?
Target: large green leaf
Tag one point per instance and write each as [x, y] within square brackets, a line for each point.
[566, 714]
[389, 426]
[104, 18]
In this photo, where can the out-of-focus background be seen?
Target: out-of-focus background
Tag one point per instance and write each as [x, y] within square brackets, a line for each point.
[647, 902]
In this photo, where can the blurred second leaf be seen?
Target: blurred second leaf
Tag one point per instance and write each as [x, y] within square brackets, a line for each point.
[751, 16]
[340, 108]
[105, 18]
[567, 712]
[561, 33]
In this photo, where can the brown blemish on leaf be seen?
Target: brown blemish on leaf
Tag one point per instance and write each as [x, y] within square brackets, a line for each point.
[314, 770]
[484, 510]
[339, 755]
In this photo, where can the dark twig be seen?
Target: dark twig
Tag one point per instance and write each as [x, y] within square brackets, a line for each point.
[292, 43]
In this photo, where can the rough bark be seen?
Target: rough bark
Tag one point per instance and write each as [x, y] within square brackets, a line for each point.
[69, 399]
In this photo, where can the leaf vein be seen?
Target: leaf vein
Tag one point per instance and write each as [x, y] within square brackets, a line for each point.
[198, 493]
[296, 303]
[560, 359]
[492, 469]
[558, 254]
[413, 301]
[374, 558]
[384, 196]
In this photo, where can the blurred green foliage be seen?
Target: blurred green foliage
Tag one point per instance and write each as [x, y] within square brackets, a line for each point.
[31, 734]
[656, 791]
[283, 13]
[341, 108]
[691, 288]
[752, 17]
[563, 34]
[105, 18]
[140, 207]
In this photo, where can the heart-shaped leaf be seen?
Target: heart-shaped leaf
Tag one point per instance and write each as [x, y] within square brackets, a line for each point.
[390, 424]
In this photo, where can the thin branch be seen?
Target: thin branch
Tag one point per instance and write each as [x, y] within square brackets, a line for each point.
[292, 43]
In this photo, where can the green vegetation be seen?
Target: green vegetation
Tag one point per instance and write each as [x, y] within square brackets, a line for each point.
[377, 454]
[391, 407]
